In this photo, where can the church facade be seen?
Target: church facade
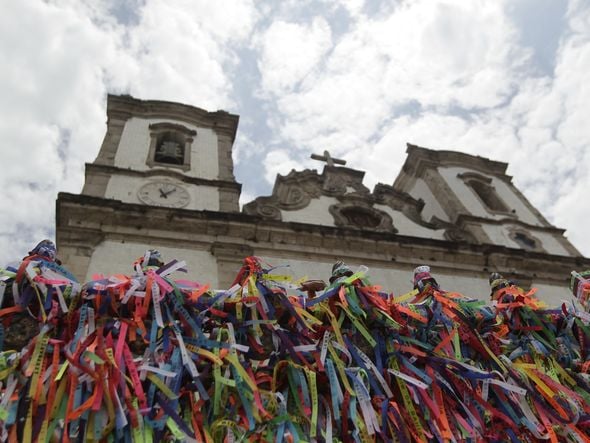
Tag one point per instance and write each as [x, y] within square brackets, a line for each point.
[163, 179]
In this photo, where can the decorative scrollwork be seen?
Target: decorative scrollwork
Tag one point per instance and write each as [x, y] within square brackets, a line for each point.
[361, 216]
[269, 211]
[459, 235]
[264, 207]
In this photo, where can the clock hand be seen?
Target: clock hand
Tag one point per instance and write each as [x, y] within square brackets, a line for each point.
[169, 192]
[162, 193]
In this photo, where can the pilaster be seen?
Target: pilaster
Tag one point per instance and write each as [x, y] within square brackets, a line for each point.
[447, 199]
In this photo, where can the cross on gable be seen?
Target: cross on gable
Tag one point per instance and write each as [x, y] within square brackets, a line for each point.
[328, 159]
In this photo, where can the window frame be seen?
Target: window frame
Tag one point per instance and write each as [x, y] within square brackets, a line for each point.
[184, 133]
[469, 178]
[513, 232]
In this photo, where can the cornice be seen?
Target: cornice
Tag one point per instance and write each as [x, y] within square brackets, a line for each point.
[165, 126]
[123, 107]
[420, 158]
[126, 218]
[467, 218]
[95, 168]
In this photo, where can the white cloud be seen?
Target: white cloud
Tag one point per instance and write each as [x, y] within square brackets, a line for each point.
[278, 162]
[440, 55]
[289, 51]
[245, 148]
[570, 95]
[353, 7]
[181, 51]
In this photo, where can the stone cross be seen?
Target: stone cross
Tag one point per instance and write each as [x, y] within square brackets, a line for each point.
[328, 159]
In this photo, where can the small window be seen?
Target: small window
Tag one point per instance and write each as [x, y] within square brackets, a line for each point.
[524, 241]
[482, 187]
[488, 196]
[170, 145]
[351, 215]
[361, 218]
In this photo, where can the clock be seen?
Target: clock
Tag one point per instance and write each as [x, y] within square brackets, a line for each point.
[165, 194]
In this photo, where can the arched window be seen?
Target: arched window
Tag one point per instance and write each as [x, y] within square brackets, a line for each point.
[361, 217]
[488, 195]
[170, 145]
[482, 187]
[525, 240]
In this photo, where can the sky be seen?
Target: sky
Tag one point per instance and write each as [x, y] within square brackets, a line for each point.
[505, 79]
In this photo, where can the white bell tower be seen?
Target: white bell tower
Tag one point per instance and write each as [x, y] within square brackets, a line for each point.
[165, 154]
[163, 171]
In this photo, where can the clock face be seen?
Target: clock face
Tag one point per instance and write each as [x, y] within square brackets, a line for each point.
[165, 194]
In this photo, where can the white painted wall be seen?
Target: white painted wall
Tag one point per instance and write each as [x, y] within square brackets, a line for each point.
[312, 270]
[135, 142]
[316, 212]
[405, 226]
[513, 201]
[464, 193]
[473, 287]
[550, 243]
[553, 295]
[500, 235]
[114, 257]
[125, 188]
[399, 281]
[431, 206]
[472, 202]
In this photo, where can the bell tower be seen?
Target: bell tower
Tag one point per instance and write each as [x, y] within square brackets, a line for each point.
[163, 170]
[165, 154]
